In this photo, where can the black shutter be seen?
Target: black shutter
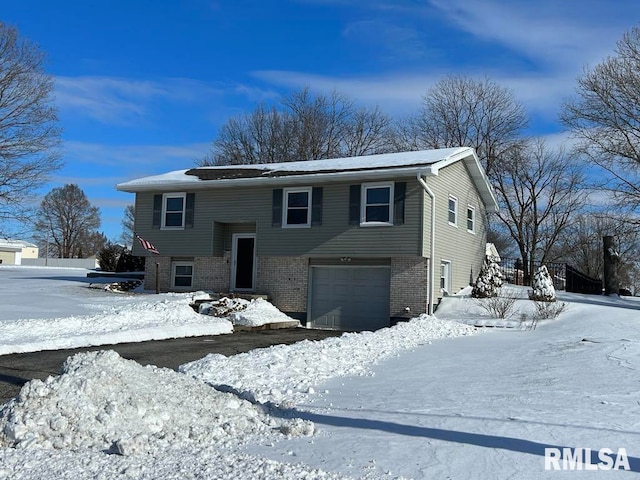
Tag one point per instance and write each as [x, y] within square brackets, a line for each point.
[157, 211]
[399, 191]
[188, 212]
[354, 204]
[276, 219]
[316, 206]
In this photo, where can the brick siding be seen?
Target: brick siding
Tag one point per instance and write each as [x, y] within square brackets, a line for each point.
[409, 286]
[285, 281]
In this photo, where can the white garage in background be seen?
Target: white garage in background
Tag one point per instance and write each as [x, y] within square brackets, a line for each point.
[13, 251]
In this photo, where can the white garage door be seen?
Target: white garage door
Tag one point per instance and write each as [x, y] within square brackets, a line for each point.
[349, 298]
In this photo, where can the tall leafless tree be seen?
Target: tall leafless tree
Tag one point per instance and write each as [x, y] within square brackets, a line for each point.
[369, 131]
[305, 126]
[540, 194]
[604, 117]
[29, 135]
[463, 111]
[127, 226]
[68, 222]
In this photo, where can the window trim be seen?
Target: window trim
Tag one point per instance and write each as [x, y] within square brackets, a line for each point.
[173, 274]
[446, 276]
[472, 209]
[454, 211]
[167, 196]
[285, 206]
[363, 204]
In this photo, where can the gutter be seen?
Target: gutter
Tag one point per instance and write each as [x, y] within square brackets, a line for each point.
[432, 243]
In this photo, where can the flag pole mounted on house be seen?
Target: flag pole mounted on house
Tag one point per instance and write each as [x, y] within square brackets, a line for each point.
[148, 246]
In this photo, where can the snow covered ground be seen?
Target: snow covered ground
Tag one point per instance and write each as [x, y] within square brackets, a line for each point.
[431, 398]
[54, 308]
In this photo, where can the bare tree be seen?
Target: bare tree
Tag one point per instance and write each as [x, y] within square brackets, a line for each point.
[369, 132]
[462, 111]
[604, 116]
[29, 135]
[540, 195]
[262, 136]
[581, 244]
[68, 222]
[127, 226]
[304, 127]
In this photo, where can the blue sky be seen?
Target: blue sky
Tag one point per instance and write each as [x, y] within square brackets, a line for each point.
[142, 86]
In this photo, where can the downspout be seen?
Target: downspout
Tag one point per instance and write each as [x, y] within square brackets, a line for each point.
[432, 242]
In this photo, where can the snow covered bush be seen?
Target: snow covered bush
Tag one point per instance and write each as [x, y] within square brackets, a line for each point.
[489, 280]
[543, 290]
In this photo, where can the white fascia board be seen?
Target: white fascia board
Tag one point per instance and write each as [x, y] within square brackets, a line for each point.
[303, 179]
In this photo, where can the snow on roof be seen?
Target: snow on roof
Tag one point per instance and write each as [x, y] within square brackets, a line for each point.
[6, 243]
[367, 167]
[334, 166]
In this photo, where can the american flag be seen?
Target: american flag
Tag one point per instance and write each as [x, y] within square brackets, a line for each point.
[148, 246]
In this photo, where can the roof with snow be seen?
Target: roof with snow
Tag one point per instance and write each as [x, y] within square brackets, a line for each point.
[15, 245]
[367, 167]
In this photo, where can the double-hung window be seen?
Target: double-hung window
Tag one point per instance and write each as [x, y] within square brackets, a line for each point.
[182, 275]
[377, 204]
[297, 207]
[453, 210]
[173, 208]
[471, 219]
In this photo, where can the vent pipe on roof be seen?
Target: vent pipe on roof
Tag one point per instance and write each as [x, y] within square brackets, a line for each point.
[432, 241]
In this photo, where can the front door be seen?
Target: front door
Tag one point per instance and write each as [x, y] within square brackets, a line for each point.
[243, 258]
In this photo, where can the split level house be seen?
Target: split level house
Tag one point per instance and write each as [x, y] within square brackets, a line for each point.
[350, 243]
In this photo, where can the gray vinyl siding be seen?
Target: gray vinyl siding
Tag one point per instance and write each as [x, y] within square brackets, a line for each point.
[253, 207]
[464, 250]
[335, 237]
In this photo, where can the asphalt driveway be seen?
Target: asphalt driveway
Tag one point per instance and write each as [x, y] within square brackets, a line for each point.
[17, 369]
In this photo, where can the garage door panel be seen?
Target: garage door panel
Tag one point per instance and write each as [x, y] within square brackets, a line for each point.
[350, 298]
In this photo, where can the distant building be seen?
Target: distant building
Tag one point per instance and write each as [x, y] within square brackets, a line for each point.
[13, 251]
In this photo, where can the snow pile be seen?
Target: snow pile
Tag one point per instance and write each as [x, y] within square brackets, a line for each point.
[259, 312]
[253, 313]
[223, 307]
[543, 290]
[140, 319]
[104, 402]
[286, 373]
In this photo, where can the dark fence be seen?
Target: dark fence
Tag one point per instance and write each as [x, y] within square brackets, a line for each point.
[578, 282]
[514, 273]
[564, 276]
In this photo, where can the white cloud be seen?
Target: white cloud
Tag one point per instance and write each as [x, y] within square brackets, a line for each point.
[108, 100]
[132, 161]
[568, 33]
[396, 94]
[123, 101]
[402, 94]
